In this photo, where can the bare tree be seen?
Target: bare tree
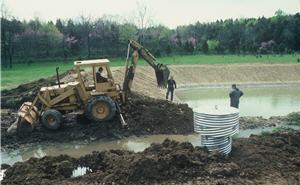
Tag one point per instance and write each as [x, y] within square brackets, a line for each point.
[5, 13]
[143, 19]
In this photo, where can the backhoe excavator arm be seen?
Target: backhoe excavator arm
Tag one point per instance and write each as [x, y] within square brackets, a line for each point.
[161, 71]
[147, 56]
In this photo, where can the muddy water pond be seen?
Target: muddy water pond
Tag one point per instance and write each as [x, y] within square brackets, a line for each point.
[262, 101]
[135, 144]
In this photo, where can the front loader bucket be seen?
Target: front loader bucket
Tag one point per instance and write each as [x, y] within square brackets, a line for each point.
[28, 117]
[162, 75]
[29, 113]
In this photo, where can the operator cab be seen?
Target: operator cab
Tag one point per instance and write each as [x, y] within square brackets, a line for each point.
[102, 80]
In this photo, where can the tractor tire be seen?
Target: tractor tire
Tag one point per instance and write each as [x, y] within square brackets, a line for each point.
[52, 119]
[100, 108]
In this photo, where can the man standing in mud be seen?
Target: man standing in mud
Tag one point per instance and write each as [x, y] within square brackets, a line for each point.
[171, 87]
[235, 95]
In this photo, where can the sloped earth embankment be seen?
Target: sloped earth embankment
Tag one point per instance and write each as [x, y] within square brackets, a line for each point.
[215, 75]
[268, 159]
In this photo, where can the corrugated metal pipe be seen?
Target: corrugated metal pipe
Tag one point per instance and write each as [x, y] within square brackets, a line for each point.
[216, 125]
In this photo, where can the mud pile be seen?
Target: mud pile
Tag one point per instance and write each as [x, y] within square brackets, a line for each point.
[258, 121]
[249, 122]
[145, 116]
[271, 159]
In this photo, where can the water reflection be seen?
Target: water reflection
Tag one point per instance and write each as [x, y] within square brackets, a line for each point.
[136, 144]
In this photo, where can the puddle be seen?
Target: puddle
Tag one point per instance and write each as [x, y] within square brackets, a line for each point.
[136, 144]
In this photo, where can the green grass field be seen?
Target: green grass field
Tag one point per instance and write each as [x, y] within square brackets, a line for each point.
[23, 73]
[229, 59]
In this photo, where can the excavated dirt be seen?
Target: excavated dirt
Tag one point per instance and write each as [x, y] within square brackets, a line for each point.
[249, 122]
[268, 159]
[145, 116]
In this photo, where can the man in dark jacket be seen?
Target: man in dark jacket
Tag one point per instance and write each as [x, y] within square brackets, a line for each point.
[171, 87]
[235, 95]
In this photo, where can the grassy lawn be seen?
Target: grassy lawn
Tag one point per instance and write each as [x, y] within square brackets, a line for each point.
[23, 73]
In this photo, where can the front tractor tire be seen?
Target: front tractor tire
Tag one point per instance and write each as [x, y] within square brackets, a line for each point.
[52, 119]
[100, 108]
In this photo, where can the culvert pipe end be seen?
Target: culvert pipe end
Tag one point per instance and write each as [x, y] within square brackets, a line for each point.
[216, 125]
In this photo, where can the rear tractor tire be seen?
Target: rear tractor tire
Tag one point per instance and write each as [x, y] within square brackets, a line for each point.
[52, 119]
[100, 108]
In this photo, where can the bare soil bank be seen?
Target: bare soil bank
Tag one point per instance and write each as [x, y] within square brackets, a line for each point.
[271, 159]
[215, 75]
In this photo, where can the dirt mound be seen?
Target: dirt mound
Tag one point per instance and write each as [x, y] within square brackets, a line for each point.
[272, 159]
[145, 116]
[256, 122]
[36, 170]
[248, 122]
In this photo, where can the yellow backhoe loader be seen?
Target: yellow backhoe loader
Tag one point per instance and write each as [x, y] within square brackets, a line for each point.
[98, 101]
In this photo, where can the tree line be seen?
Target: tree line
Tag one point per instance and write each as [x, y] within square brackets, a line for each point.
[35, 40]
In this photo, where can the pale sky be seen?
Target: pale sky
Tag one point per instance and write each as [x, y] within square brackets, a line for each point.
[167, 12]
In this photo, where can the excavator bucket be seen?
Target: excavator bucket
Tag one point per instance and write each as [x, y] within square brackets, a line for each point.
[161, 71]
[162, 75]
[28, 117]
